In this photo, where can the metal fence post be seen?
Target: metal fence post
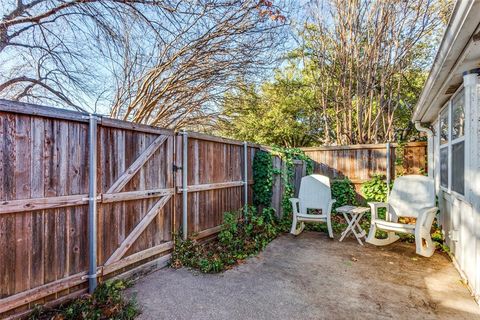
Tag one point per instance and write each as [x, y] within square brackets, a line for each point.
[245, 177]
[185, 185]
[389, 168]
[92, 204]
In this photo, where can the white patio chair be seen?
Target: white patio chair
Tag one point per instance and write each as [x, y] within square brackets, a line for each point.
[411, 196]
[314, 193]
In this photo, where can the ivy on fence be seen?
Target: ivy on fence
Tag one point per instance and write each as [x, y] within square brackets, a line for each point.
[288, 156]
[263, 176]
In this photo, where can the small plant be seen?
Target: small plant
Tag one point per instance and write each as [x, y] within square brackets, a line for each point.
[237, 240]
[106, 302]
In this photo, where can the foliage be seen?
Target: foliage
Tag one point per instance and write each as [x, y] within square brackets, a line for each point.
[262, 168]
[106, 302]
[237, 240]
[343, 84]
[343, 192]
[278, 112]
[375, 189]
[288, 156]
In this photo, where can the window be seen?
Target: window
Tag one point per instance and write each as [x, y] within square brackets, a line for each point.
[443, 122]
[458, 116]
[458, 167]
[444, 167]
[452, 144]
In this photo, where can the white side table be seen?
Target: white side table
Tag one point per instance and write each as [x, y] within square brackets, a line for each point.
[353, 215]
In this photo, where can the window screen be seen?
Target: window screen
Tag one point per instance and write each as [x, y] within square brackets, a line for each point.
[444, 126]
[458, 115]
[444, 167]
[458, 167]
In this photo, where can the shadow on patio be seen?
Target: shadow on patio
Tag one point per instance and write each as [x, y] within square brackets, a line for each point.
[313, 277]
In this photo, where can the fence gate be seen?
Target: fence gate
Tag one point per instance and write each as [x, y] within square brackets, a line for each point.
[136, 183]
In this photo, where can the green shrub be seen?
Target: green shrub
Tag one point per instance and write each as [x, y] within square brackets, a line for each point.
[106, 302]
[344, 192]
[237, 240]
[375, 189]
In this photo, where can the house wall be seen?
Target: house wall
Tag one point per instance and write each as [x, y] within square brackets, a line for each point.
[460, 214]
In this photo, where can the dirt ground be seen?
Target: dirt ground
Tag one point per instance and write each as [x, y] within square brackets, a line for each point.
[313, 277]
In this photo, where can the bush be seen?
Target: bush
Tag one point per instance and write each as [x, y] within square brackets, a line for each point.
[106, 302]
[375, 189]
[344, 192]
[237, 240]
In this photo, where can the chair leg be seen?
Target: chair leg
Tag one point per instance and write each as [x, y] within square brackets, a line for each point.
[294, 230]
[329, 227]
[372, 239]
[294, 224]
[427, 249]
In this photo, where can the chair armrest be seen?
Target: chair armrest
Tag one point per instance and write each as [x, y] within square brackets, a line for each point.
[295, 202]
[374, 208]
[330, 205]
[425, 218]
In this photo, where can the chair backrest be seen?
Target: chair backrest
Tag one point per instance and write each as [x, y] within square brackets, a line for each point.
[314, 193]
[411, 195]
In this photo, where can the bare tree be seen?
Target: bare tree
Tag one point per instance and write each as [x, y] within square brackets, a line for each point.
[370, 57]
[150, 61]
[208, 48]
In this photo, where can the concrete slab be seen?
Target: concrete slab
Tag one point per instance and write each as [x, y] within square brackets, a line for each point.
[313, 277]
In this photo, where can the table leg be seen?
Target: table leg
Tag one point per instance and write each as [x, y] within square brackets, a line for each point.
[360, 233]
[351, 223]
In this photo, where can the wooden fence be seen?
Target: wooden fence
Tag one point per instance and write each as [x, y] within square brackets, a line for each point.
[360, 162]
[44, 194]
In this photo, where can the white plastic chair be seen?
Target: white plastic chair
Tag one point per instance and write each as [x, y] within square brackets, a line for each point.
[314, 193]
[412, 196]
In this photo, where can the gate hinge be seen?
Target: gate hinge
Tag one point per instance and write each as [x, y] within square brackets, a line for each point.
[176, 168]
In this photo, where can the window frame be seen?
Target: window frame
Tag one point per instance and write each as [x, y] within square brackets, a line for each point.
[449, 107]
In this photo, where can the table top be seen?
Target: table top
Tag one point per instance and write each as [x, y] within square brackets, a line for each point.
[352, 209]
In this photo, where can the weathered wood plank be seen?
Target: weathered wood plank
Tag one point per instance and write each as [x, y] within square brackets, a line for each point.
[34, 294]
[206, 137]
[23, 225]
[137, 127]
[135, 195]
[136, 257]
[43, 111]
[211, 186]
[27, 205]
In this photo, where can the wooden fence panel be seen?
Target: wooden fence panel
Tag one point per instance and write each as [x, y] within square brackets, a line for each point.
[43, 217]
[44, 181]
[215, 181]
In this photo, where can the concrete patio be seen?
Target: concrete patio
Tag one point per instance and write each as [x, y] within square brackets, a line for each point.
[313, 277]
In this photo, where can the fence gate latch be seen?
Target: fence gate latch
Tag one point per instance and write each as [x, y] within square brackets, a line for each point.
[176, 168]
